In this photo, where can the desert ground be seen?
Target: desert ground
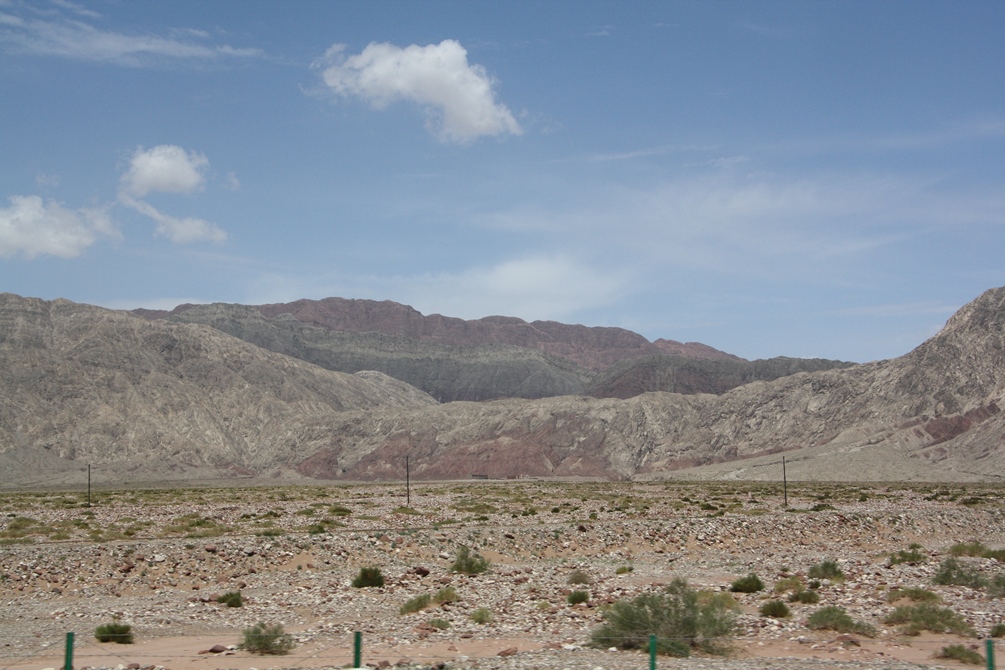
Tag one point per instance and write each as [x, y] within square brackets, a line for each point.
[157, 558]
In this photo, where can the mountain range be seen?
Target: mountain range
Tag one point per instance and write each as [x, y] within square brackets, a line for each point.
[354, 390]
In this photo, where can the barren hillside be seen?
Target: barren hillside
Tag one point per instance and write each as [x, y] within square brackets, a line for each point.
[86, 383]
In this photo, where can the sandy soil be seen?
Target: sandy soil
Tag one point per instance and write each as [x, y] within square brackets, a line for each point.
[157, 558]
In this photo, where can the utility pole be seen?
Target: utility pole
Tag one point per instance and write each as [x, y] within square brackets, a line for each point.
[408, 485]
[785, 483]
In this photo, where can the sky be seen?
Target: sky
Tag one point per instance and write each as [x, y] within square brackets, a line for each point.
[807, 179]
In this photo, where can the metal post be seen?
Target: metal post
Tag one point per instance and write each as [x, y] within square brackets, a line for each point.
[990, 655]
[652, 652]
[408, 485]
[357, 649]
[88, 484]
[785, 483]
[68, 660]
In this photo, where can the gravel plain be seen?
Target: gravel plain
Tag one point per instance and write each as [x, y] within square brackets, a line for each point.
[157, 558]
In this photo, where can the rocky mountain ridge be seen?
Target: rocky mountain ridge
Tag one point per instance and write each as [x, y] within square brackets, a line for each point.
[495, 357]
[85, 383]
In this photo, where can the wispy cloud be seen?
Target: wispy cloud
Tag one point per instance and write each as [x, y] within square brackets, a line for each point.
[72, 36]
[828, 227]
[648, 152]
[531, 287]
[180, 230]
[458, 96]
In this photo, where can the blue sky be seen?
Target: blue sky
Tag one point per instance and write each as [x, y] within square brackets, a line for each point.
[819, 179]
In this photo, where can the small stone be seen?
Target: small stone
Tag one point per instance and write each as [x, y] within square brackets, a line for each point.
[509, 651]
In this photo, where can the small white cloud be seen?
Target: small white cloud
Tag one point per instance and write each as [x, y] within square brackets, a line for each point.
[178, 230]
[164, 169]
[32, 227]
[458, 96]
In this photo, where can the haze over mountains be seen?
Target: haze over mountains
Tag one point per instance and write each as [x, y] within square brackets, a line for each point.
[347, 389]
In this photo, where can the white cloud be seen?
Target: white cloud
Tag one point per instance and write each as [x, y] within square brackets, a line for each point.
[164, 169]
[169, 169]
[70, 37]
[178, 230]
[32, 227]
[458, 96]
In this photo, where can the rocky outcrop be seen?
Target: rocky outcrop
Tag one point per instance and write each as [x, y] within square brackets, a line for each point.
[446, 371]
[495, 357]
[678, 374]
[593, 348]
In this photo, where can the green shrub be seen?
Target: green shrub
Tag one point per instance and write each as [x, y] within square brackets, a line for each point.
[624, 569]
[962, 654]
[468, 563]
[368, 577]
[806, 597]
[114, 632]
[997, 630]
[577, 597]
[482, 615]
[913, 594]
[775, 609]
[996, 588]
[953, 573]
[339, 510]
[835, 618]
[967, 549]
[826, 570]
[448, 594]
[911, 556]
[579, 577]
[926, 616]
[416, 604]
[674, 615]
[439, 624]
[231, 599]
[265, 639]
[749, 584]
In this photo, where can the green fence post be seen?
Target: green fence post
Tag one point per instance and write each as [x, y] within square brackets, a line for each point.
[652, 652]
[68, 659]
[357, 649]
[990, 647]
